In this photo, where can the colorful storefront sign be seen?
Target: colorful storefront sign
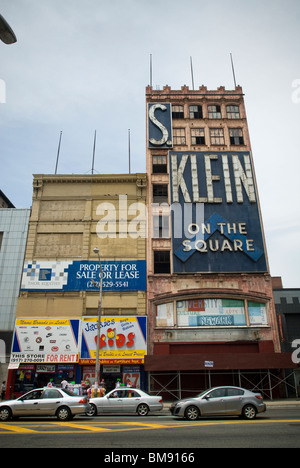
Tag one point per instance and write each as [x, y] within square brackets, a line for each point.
[45, 341]
[123, 340]
[84, 276]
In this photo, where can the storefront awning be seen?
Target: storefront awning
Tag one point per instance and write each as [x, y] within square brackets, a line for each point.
[196, 362]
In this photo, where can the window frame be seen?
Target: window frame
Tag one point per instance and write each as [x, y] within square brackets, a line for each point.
[214, 114]
[214, 138]
[201, 137]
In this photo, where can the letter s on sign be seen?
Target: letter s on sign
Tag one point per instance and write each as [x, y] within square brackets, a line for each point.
[157, 123]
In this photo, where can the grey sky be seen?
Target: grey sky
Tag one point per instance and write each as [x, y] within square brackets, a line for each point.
[83, 66]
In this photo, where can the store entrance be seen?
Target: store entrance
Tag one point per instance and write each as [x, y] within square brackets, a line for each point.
[110, 380]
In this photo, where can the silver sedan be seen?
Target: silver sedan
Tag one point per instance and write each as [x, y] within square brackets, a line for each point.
[127, 400]
[220, 401]
[45, 402]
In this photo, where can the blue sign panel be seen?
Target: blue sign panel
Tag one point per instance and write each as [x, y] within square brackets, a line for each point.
[160, 125]
[216, 225]
[84, 276]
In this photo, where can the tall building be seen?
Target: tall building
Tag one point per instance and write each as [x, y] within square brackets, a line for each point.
[211, 314]
[57, 314]
[13, 237]
[287, 305]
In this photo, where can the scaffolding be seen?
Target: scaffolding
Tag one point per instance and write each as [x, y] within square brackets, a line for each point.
[271, 383]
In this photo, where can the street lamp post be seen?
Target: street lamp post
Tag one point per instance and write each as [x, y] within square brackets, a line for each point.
[6, 33]
[96, 251]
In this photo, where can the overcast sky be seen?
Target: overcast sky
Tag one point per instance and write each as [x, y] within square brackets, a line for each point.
[81, 66]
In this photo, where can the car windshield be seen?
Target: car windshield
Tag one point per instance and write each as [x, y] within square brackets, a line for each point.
[201, 394]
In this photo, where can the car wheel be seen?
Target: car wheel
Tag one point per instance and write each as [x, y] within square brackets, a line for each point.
[249, 412]
[5, 414]
[142, 410]
[92, 410]
[192, 413]
[64, 414]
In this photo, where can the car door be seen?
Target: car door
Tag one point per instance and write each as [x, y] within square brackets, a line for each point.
[114, 403]
[29, 404]
[131, 400]
[234, 400]
[214, 402]
[50, 400]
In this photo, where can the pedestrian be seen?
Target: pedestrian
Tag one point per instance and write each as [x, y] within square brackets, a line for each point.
[3, 390]
[64, 384]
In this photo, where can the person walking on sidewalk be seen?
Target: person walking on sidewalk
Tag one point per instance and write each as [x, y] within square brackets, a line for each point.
[3, 390]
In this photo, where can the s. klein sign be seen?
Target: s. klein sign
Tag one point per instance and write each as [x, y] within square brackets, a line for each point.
[84, 276]
[216, 226]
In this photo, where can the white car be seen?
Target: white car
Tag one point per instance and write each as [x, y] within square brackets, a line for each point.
[125, 400]
[45, 402]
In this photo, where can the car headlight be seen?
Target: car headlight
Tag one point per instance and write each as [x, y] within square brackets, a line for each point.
[180, 403]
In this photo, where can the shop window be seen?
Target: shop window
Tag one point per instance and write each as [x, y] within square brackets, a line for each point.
[217, 136]
[214, 112]
[165, 315]
[160, 193]
[257, 313]
[177, 112]
[233, 112]
[196, 112]
[159, 164]
[197, 136]
[210, 313]
[179, 136]
[161, 262]
[236, 136]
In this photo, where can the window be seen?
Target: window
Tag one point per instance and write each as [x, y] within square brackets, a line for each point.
[177, 112]
[214, 112]
[160, 193]
[196, 112]
[1, 238]
[160, 227]
[236, 136]
[235, 392]
[159, 164]
[217, 136]
[211, 312]
[51, 393]
[217, 393]
[257, 313]
[179, 136]
[197, 136]
[34, 395]
[233, 112]
[165, 315]
[161, 262]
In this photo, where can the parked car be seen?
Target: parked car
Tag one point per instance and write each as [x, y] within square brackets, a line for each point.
[45, 402]
[220, 401]
[125, 400]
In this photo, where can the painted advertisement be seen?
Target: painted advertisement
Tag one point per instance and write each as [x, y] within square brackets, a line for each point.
[45, 341]
[123, 340]
[84, 276]
[216, 226]
[211, 313]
